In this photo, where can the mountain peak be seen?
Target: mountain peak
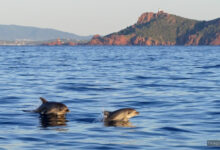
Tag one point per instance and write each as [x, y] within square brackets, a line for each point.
[148, 16]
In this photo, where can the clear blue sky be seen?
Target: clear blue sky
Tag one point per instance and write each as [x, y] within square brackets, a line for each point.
[88, 17]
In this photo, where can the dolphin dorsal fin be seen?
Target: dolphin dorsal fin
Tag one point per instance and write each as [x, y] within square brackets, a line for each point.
[106, 114]
[43, 100]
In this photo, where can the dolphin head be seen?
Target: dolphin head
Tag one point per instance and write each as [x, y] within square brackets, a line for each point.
[120, 115]
[56, 108]
[131, 112]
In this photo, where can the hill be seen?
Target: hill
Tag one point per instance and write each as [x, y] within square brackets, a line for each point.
[164, 29]
[15, 32]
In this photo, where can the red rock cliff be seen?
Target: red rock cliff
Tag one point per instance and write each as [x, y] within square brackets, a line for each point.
[111, 40]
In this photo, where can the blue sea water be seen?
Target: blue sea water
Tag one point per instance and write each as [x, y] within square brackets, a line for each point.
[175, 89]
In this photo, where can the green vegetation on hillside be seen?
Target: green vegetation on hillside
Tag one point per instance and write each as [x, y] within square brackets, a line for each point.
[163, 28]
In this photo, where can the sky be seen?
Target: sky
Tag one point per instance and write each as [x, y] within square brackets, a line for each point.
[89, 17]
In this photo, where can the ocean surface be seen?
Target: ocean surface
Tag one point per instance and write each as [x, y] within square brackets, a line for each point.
[175, 89]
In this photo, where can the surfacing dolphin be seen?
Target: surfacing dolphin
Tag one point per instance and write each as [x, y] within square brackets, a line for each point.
[50, 108]
[120, 115]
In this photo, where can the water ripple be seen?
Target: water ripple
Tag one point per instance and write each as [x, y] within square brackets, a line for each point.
[175, 89]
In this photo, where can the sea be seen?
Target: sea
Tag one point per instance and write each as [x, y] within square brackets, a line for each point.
[176, 90]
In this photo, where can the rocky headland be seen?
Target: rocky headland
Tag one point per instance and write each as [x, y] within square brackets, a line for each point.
[164, 29]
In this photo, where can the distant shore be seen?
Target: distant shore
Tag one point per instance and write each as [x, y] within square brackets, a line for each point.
[151, 29]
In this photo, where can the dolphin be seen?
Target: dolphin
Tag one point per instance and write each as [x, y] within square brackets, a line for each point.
[120, 115]
[50, 108]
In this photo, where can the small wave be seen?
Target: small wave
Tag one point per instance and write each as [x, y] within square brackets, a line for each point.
[141, 103]
[180, 78]
[2, 138]
[84, 87]
[174, 86]
[173, 129]
[10, 98]
[31, 139]
[214, 113]
[211, 66]
[145, 77]
[86, 120]
[9, 123]
[151, 77]
[83, 100]
[201, 73]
